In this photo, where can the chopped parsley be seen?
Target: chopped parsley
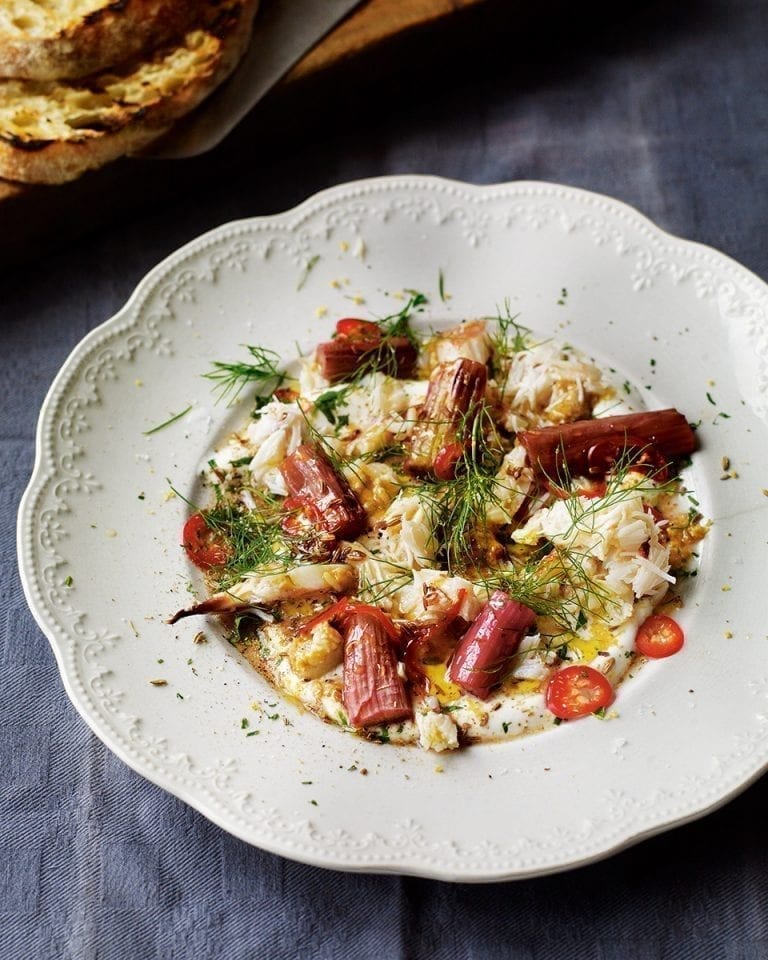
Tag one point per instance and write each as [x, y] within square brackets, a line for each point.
[328, 402]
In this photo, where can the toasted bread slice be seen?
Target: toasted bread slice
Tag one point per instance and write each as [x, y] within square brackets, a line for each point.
[61, 39]
[52, 131]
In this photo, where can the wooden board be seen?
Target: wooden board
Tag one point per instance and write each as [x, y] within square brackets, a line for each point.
[371, 23]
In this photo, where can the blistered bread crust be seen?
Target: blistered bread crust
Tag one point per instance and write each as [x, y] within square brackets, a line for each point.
[53, 131]
[74, 38]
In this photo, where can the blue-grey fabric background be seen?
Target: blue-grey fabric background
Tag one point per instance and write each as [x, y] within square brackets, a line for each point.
[663, 105]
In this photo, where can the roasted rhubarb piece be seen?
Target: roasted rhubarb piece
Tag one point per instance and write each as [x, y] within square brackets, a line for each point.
[445, 423]
[320, 495]
[359, 346]
[651, 440]
[483, 655]
[373, 691]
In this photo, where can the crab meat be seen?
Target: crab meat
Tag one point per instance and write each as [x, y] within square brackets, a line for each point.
[437, 731]
[548, 384]
[405, 534]
[514, 483]
[274, 436]
[431, 594]
[313, 655]
[468, 341]
[264, 589]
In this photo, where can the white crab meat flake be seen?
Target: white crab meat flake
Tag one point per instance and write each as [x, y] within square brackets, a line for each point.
[514, 482]
[437, 732]
[610, 535]
[309, 580]
[468, 340]
[549, 384]
[405, 536]
[431, 594]
[274, 436]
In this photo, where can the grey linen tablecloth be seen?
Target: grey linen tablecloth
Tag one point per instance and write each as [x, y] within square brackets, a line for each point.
[665, 108]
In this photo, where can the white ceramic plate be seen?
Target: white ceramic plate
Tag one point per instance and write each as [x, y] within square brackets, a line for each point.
[684, 323]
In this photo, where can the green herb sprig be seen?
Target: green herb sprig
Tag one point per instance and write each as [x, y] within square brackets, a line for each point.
[166, 423]
[509, 337]
[458, 508]
[232, 378]
[399, 324]
[329, 402]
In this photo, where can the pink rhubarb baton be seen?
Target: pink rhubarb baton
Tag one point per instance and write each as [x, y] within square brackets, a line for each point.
[344, 357]
[444, 426]
[650, 440]
[373, 691]
[318, 492]
[482, 657]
